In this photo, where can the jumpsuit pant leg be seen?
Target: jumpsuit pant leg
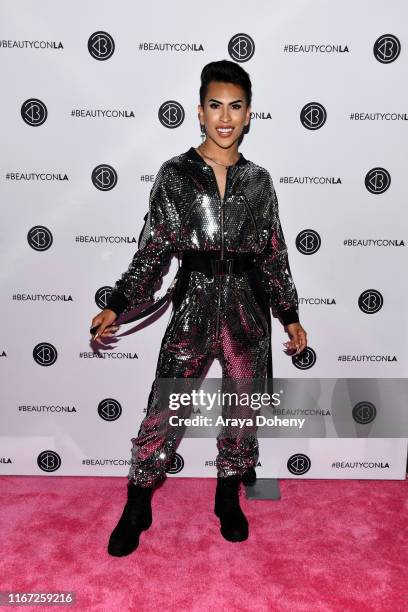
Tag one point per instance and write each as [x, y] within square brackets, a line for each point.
[244, 361]
[187, 354]
[156, 442]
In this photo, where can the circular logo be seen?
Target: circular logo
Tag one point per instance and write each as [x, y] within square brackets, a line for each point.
[102, 296]
[304, 360]
[171, 114]
[370, 301]
[39, 238]
[313, 116]
[377, 180]
[386, 48]
[109, 409]
[241, 47]
[364, 412]
[176, 464]
[101, 45]
[49, 461]
[45, 354]
[34, 112]
[104, 177]
[298, 464]
[308, 242]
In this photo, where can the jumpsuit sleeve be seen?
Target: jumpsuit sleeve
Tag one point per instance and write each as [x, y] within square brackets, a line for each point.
[274, 266]
[154, 253]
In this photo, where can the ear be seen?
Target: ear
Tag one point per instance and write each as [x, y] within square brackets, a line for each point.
[248, 115]
[200, 111]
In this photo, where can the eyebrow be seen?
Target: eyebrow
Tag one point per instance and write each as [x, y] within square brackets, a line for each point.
[219, 102]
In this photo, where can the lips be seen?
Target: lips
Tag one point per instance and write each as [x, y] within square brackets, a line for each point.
[224, 131]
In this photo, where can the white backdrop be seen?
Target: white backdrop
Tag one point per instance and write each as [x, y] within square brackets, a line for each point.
[83, 86]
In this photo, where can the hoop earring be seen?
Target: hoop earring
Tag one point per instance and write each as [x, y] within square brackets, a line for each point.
[203, 132]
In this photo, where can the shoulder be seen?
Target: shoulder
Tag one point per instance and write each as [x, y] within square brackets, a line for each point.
[259, 176]
[171, 174]
[172, 165]
[167, 174]
[261, 173]
[170, 177]
[257, 173]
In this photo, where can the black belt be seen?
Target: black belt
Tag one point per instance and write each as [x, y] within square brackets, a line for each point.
[210, 263]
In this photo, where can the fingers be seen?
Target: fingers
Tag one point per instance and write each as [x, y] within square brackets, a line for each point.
[111, 329]
[104, 332]
[99, 332]
[301, 341]
[103, 325]
[303, 345]
[298, 342]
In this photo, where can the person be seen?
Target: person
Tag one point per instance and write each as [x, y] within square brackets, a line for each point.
[218, 211]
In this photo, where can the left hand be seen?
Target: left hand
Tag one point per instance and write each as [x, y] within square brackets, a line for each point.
[298, 338]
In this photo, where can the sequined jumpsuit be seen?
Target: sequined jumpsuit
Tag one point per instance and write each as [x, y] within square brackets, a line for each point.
[225, 317]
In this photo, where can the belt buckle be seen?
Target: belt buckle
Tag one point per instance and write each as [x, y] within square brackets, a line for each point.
[221, 267]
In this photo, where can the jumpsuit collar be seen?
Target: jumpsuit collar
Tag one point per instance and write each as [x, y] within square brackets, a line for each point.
[193, 155]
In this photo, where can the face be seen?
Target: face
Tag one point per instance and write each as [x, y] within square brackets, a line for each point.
[225, 113]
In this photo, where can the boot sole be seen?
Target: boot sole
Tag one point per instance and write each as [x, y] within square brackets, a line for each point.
[237, 538]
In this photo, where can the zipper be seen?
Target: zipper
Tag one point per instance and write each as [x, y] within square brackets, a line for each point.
[222, 202]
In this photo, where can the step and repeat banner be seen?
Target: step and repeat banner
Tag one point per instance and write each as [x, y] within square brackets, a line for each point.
[95, 97]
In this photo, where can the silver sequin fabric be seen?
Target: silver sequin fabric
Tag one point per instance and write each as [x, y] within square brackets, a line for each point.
[213, 317]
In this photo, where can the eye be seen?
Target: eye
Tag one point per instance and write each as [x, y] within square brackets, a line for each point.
[236, 106]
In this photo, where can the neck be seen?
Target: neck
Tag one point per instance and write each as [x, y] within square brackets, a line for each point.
[223, 156]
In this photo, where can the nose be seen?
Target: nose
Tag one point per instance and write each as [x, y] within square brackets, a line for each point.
[225, 114]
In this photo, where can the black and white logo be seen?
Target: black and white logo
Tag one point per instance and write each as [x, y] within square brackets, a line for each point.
[313, 116]
[387, 48]
[308, 242]
[305, 360]
[109, 409]
[101, 45]
[34, 112]
[298, 464]
[370, 301]
[171, 114]
[176, 464]
[49, 461]
[241, 47]
[102, 296]
[104, 177]
[39, 238]
[377, 180]
[45, 354]
[364, 412]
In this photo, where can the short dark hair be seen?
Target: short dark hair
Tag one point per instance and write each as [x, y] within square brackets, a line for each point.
[225, 71]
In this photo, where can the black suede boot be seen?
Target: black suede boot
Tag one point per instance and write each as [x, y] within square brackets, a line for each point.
[234, 524]
[136, 516]
[249, 477]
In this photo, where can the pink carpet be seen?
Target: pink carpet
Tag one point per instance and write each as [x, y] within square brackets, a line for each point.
[327, 545]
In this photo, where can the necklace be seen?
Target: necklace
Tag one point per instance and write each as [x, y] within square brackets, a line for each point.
[215, 161]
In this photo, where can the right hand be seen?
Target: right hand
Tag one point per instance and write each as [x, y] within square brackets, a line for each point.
[104, 319]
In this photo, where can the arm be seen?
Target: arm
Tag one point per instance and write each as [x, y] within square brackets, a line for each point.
[273, 263]
[155, 246]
